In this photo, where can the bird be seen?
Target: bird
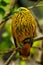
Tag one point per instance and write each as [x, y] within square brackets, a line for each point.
[23, 27]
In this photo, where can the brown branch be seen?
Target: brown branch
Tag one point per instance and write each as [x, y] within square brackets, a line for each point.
[38, 38]
[39, 27]
[35, 5]
[35, 39]
[31, 7]
[6, 51]
[7, 14]
[37, 47]
[10, 58]
[11, 49]
[2, 24]
[14, 52]
[12, 5]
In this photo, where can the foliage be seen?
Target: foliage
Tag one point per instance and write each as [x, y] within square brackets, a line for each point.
[6, 42]
[2, 11]
[3, 3]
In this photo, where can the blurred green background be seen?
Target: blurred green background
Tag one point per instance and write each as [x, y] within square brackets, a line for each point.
[5, 34]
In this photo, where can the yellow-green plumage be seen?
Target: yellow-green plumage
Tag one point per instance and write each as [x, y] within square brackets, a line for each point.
[23, 26]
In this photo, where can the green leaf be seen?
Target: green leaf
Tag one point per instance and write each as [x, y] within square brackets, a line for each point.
[22, 62]
[2, 11]
[35, 44]
[3, 3]
[5, 34]
[5, 44]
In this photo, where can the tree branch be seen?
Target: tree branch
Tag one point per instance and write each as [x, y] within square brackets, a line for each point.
[39, 27]
[35, 39]
[38, 38]
[11, 6]
[32, 39]
[31, 7]
[11, 49]
[34, 6]
[10, 57]
[6, 51]
[7, 14]
[14, 52]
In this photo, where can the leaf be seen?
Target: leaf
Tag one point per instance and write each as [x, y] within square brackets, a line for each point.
[22, 62]
[3, 3]
[2, 11]
[6, 43]
[5, 34]
[37, 43]
[33, 50]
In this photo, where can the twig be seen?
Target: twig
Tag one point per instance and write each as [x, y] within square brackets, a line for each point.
[35, 5]
[11, 49]
[39, 27]
[2, 24]
[7, 14]
[31, 7]
[6, 51]
[37, 47]
[11, 6]
[6, 18]
[11, 56]
[38, 38]
[35, 39]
